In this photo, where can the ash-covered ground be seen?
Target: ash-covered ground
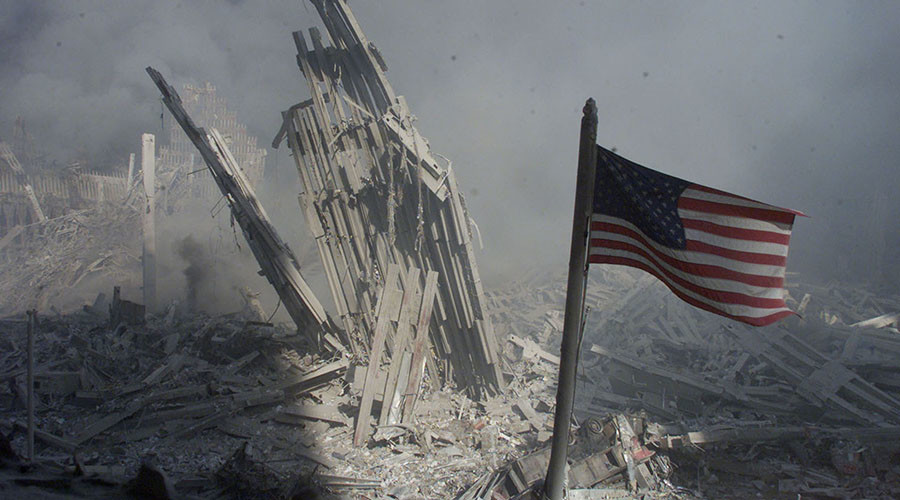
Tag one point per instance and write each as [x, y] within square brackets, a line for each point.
[229, 406]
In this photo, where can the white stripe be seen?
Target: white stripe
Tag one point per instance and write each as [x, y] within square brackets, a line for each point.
[692, 256]
[737, 244]
[737, 222]
[727, 199]
[733, 309]
[720, 284]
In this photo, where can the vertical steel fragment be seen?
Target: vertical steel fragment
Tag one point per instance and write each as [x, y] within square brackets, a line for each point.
[373, 194]
[148, 216]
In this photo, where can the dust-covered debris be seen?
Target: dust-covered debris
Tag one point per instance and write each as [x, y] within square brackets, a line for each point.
[706, 415]
[806, 407]
[54, 258]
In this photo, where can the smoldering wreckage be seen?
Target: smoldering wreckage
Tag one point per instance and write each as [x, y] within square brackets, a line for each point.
[421, 384]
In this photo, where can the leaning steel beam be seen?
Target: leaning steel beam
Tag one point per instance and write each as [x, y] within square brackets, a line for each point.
[373, 194]
[274, 256]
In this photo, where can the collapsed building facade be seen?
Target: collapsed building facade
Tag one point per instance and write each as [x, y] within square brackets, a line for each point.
[374, 194]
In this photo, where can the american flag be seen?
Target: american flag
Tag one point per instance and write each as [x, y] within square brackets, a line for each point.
[716, 251]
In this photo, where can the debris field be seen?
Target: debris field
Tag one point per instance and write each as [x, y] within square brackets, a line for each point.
[675, 405]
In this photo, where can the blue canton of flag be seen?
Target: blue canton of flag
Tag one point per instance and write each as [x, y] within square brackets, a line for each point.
[646, 198]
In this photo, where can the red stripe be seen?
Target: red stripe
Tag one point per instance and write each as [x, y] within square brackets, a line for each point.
[736, 232]
[710, 293]
[735, 210]
[705, 270]
[622, 261]
[696, 246]
[710, 190]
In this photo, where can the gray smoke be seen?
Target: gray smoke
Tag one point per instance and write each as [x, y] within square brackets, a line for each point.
[198, 268]
[791, 103]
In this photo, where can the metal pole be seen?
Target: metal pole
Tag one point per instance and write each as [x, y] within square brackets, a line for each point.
[554, 485]
[148, 166]
[29, 445]
[130, 173]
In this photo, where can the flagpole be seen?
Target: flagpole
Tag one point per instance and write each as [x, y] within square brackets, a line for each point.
[568, 354]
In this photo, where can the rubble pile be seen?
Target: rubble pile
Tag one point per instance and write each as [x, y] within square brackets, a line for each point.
[673, 403]
[807, 407]
[225, 405]
[140, 389]
[812, 367]
[53, 258]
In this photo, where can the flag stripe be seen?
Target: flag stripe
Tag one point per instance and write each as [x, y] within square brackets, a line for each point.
[677, 260]
[735, 210]
[706, 189]
[624, 231]
[736, 232]
[738, 222]
[752, 315]
[735, 243]
[696, 193]
[698, 246]
[713, 279]
[696, 286]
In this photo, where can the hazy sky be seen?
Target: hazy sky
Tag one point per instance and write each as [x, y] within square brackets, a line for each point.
[792, 103]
